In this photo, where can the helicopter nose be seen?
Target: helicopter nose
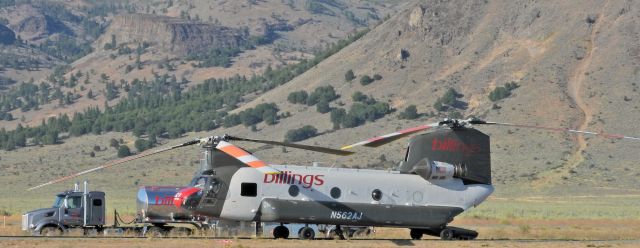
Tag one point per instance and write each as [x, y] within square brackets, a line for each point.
[187, 197]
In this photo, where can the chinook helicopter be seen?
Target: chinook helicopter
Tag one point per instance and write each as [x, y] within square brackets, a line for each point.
[444, 173]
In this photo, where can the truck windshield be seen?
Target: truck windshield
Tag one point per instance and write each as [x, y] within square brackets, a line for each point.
[59, 200]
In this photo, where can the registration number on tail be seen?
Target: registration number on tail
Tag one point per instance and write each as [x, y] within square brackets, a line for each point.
[346, 215]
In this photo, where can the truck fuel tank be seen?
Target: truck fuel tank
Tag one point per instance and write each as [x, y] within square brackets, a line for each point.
[156, 203]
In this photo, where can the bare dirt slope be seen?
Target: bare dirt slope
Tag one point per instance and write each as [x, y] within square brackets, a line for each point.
[576, 64]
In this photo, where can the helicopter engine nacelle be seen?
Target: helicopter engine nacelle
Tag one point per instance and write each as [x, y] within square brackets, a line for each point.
[436, 170]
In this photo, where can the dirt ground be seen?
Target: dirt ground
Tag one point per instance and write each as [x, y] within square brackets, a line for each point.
[493, 233]
[307, 244]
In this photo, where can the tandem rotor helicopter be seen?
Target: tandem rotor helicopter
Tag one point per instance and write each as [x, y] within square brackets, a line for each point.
[444, 173]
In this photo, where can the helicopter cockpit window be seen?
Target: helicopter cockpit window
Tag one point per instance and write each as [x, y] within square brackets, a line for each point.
[200, 182]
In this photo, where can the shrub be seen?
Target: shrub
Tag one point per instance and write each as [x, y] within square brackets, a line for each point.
[358, 97]
[377, 77]
[300, 134]
[323, 107]
[365, 80]
[449, 99]
[123, 151]
[500, 93]
[349, 76]
[409, 113]
[298, 97]
[327, 93]
[142, 145]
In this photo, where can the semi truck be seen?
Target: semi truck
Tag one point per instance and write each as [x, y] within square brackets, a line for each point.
[86, 211]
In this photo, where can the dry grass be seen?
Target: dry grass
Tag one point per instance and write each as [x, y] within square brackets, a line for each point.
[488, 228]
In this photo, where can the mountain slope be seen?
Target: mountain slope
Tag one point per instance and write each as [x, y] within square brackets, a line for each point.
[580, 74]
[191, 32]
[576, 66]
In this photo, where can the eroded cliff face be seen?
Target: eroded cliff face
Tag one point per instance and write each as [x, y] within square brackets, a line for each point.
[171, 34]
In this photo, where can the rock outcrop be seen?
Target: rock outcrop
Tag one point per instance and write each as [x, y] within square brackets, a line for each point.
[171, 34]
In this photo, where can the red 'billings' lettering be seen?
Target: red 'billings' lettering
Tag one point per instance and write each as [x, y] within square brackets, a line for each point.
[289, 178]
[452, 145]
[165, 200]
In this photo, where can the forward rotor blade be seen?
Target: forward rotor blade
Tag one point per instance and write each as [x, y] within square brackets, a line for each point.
[602, 134]
[245, 157]
[116, 162]
[299, 146]
[384, 139]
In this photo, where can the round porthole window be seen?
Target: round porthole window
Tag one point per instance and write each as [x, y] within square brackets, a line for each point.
[335, 192]
[376, 194]
[294, 190]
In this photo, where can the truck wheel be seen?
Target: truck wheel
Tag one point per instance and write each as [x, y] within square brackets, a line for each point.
[50, 231]
[154, 232]
[447, 234]
[416, 234]
[306, 233]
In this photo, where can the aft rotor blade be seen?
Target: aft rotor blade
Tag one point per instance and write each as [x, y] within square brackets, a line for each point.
[601, 134]
[245, 157]
[116, 162]
[384, 139]
[299, 146]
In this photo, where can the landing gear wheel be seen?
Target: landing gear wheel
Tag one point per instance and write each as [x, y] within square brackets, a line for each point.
[447, 234]
[416, 234]
[281, 232]
[306, 233]
[50, 231]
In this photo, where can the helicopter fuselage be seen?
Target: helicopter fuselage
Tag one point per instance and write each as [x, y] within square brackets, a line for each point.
[341, 196]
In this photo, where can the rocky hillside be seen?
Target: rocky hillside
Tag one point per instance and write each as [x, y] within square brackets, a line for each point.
[123, 41]
[582, 74]
[174, 35]
[555, 63]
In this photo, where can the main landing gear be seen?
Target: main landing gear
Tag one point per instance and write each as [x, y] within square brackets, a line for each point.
[448, 233]
[305, 233]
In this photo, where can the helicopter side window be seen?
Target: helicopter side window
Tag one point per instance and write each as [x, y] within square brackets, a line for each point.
[249, 189]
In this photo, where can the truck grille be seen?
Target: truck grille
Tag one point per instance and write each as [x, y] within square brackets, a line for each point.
[25, 222]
